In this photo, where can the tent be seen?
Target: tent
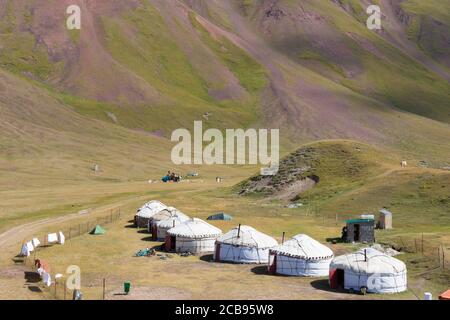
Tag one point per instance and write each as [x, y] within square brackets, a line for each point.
[47, 279]
[368, 270]
[52, 237]
[164, 214]
[148, 210]
[164, 225]
[27, 248]
[36, 242]
[300, 256]
[98, 230]
[220, 216]
[244, 244]
[61, 238]
[194, 236]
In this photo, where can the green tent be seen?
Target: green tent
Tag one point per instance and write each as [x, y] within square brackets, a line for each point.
[98, 230]
[220, 216]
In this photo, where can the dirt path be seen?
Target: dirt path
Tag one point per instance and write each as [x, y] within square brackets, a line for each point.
[14, 236]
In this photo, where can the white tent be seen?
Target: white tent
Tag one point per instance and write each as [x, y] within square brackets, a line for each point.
[36, 242]
[165, 214]
[148, 210]
[47, 279]
[52, 238]
[27, 248]
[61, 238]
[369, 269]
[300, 256]
[244, 244]
[193, 235]
[164, 225]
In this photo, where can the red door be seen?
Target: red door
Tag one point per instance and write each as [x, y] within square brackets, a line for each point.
[336, 278]
[333, 279]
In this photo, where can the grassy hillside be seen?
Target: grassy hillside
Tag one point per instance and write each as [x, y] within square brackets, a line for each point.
[336, 166]
[326, 38]
[429, 27]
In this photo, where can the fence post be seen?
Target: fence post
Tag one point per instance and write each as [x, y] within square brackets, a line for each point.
[443, 257]
[104, 286]
[422, 243]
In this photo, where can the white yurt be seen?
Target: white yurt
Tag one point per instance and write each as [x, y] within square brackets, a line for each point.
[167, 213]
[368, 270]
[300, 256]
[146, 212]
[164, 225]
[244, 244]
[193, 235]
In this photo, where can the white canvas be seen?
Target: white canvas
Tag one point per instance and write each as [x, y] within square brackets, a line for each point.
[292, 266]
[36, 242]
[61, 238]
[163, 226]
[30, 246]
[47, 279]
[195, 246]
[242, 254]
[244, 244]
[52, 237]
[24, 251]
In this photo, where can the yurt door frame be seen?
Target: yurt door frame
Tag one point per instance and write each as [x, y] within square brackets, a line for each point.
[154, 232]
[272, 266]
[173, 240]
[169, 243]
[337, 278]
[356, 232]
[217, 253]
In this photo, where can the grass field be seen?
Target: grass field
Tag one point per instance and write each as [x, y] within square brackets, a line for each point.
[417, 197]
[111, 93]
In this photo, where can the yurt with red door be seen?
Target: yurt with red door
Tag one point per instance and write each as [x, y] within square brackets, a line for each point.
[244, 244]
[147, 211]
[368, 270]
[300, 256]
[165, 214]
[194, 236]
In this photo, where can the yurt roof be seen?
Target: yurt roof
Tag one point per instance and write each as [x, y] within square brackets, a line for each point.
[195, 228]
[150, 209]
[248, 237]
[168, 223]
[304, 247]
[371, 261]
[167, 213]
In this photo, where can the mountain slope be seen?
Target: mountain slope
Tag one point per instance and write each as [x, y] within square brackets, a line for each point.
[310, 68]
